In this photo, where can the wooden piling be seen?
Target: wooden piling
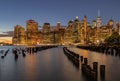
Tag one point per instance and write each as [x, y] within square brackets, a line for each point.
[81, 57]
[95, 66]
[2, 57]
[85, 61]
[102, 70]
[93, 75]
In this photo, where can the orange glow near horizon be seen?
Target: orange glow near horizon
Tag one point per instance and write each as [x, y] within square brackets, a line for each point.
[6, 40]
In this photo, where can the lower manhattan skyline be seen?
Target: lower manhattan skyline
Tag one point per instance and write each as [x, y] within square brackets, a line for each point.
[59, 40]
[17, 12]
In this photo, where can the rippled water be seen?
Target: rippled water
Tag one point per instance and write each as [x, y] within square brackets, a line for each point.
[53, 65]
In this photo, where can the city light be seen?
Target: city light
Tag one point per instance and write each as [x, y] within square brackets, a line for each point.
[76, 32]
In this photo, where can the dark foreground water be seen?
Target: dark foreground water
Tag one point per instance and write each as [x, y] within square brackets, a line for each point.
[53, 65]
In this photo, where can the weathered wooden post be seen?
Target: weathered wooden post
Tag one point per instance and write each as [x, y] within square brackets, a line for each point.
[95, 66]
[112, 51]
[85, 61]
[81, 57]
[83, 68]
[2, 57]
[93, 75]
[31, 50]
[102, 70]
[94, 72]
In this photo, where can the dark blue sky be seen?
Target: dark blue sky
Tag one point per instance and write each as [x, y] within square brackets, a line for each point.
[13, 12]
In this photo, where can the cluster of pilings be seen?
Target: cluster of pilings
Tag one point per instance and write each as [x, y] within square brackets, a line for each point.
[91, 73]
[17, 51]
[36, 49]
[5, 54]
[109, 50]
[73, 57]
[29, 50]
[113, 50]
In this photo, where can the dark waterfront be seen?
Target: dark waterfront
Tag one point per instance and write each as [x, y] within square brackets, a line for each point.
[53, 65]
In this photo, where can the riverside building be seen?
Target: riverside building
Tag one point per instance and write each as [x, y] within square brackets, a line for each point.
[76, 32]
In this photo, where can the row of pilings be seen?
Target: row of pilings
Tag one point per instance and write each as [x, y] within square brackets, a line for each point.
[4, 54]
[91, 73]
[73, 57]
[34, 49]
[108, 50]
[29, 50]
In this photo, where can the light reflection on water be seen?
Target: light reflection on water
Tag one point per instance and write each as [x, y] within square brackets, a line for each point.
[46, 65]
[112, 63]
[53, 65]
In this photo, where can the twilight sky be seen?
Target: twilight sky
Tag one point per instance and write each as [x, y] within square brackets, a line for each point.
[13, 12]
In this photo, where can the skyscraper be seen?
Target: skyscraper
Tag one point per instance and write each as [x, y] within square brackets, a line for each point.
[19, 35]
[99, 20]
[94, 24]
[32, 32]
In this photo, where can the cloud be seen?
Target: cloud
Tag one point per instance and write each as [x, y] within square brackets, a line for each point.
[7, 34]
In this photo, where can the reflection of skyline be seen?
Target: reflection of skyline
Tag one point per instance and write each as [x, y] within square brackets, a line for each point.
[30, 67]
[91, 55]
[53, 65]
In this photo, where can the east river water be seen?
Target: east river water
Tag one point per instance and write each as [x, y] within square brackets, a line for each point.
[53, 65]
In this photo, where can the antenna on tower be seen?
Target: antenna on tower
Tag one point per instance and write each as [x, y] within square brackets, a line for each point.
[76, 17]
[98, 13]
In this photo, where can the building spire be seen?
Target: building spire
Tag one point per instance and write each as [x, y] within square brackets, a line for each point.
[76, 17]
[98, 13]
